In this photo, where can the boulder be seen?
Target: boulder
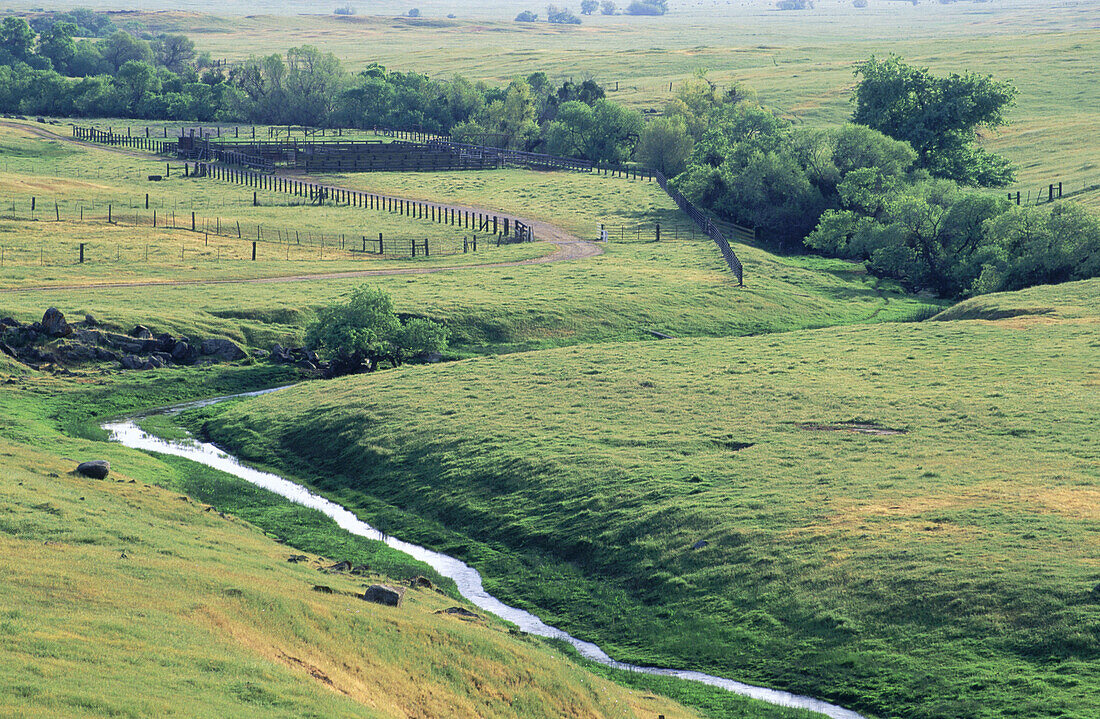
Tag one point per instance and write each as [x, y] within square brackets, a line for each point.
[96, 468]
[165, 342]
[280, 354]
[141, 332]
[154, 362]
[421, 582]
[306, 365]
[132, 362]
[54, 324]
[222, 349]
[7, 349]
[90, 321]
[8, 322]
[71, 353]
[127, 344]
[184, 353]
[381, 594]
[460, 612]
[105, 355]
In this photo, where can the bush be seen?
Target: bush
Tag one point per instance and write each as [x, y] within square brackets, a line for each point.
[345, 10]
[415, 12]
[527, 16]
[607, 7]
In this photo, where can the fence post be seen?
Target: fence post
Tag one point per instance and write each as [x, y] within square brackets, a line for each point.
[192, 221]
[658, 232]
[147, 200]
[253, 251]
[81, 253]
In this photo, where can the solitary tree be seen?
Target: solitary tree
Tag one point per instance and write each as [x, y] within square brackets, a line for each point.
[938, 116]
[365, 330]
[589, 6]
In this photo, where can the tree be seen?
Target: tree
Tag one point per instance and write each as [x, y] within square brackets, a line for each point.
[365, 330]
[665, 145]
[938, 116]
[174, 52]
[57, 45]
[601, 132]
[16, 40]
[607, 7]
[414, 12]
[589, 6]
[527, 16]
[122, 47]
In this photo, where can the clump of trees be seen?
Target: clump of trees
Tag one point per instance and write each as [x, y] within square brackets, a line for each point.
[907, 208]
[365, 331]
[527, 16]
[607, 7]
[561, 16]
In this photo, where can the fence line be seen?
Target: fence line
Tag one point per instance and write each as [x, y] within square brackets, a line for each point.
[707, 226]
[1050, 193]
[355, 245]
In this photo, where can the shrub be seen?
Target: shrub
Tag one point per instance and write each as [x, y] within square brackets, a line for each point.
[647, 7]
[561, 16]
[527, 16]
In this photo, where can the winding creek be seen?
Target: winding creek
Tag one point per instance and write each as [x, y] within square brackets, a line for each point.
[126, 431]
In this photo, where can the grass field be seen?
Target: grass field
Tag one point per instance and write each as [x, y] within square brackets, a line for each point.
[900, 518]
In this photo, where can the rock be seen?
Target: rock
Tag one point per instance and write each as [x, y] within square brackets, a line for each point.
[260, 354]
[323, 589]
[153, 363]
[128, 344]
[421, 583]
[132, 362]
[75, 353]
[141, 332]
[96, 468]
[700, 544]
[344, 566]
[183, 353]
[105, 355]
[8, 322]
[165, 342]
[164, 357]
[222, 349]
[280, 354]
[297, 558]
[459, 612]
[306, 365]
[54, 324]
[7, 349]
[381, 594]
[90, 321]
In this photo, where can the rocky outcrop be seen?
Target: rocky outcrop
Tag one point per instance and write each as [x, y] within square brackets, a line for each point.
[53, 341]
[96, 468]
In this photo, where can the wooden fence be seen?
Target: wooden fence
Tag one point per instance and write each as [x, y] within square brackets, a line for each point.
[138, 142]
[708, 227]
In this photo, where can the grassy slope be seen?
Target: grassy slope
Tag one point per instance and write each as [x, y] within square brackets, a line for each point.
[120, 599]
[947, 571]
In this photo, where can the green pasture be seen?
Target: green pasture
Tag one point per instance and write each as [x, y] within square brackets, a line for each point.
[900, 518]
[165, 590]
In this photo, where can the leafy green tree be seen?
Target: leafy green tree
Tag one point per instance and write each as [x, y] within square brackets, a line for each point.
[137, 81]
[527, 16]
[16, 41]
[589, 6]
[174, 52]
[57, 45]
[601, 132]
[365, 330]
[665, 145]
[122, 47]
[561, 16]
[607, 7]
[938, 116]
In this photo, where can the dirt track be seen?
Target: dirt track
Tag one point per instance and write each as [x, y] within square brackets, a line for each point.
[569, 246]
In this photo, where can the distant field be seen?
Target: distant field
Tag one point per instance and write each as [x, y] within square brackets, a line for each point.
[901, 518]
[799, 62]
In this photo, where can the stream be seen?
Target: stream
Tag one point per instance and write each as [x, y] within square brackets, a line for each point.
[126, 432]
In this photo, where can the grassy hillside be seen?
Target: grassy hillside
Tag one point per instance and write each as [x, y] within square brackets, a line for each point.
[898, 517]
[125, 597]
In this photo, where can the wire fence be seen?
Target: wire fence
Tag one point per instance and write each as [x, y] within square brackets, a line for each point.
[189, 236]
[1051, 192]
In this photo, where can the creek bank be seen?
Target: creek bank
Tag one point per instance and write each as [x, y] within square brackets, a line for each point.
[467, 579]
